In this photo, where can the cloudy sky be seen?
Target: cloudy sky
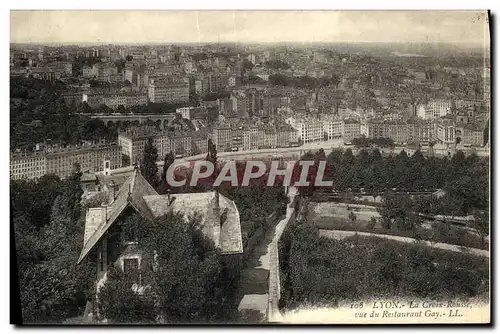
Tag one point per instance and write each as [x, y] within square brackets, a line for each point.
[464, 27]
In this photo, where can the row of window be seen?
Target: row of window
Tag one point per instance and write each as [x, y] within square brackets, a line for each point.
[28, 164]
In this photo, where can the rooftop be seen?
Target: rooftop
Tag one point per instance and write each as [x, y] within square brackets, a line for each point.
[141, 196]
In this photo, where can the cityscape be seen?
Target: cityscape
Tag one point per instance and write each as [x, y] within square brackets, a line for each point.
[403, 128]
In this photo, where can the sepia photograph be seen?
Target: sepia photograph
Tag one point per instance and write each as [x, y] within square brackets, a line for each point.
[249, 167]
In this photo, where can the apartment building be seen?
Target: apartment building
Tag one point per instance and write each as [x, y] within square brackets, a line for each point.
[61, 161]
[240, 103]
[199, 142]
[309, 129]
[106, 71]
[185, 112]
[42, 73]
[168, 90]
[90, 158]
[397, 131]
[271, 136]
[419, 131]
[94, 100]
[374, 129]
[444, 132]
[126, 100]
[227, 137]
[473, 135]
[287, 135]
[132, 143]
[351, 130]
[268, 138]
[251, 137]
[27, 165]
[333, 128]
[434, 109]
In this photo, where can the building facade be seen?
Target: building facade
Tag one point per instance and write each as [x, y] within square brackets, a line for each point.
[309, 129]
[61, 162]
[351, 130]
[126, 100]
[132, 144]
[168, 90]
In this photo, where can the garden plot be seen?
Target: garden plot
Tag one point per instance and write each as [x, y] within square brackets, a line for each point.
[330, 215]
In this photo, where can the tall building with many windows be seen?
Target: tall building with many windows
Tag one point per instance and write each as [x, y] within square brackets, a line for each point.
[168, 90]
[126, 100]
[351, 130]
[28, 165]
[434, 109]
[184, 143]
[309, 129]
[61, 161]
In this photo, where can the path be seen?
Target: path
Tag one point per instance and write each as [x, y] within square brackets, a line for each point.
[336, 234]
[254, 282]
[254, 279]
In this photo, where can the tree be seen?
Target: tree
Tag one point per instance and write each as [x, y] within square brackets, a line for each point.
[148, 166]
[481, 224]
[53, 287]
[169, 160]
[129, 58]
[212, 152]
[395, 210]
[118, 303]
[212, 157]
[187, 281]
[84, 108]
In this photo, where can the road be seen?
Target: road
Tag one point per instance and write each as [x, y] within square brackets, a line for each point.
[284, 152]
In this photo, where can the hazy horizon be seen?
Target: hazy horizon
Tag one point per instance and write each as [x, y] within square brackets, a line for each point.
[460, 28]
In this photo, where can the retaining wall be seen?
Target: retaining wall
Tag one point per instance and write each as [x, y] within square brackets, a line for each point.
[274, 290]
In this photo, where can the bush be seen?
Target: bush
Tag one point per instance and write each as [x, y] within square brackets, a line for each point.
[323, 271]
[118, 303]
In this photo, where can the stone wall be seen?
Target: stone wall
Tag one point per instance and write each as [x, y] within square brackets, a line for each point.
[274, 290]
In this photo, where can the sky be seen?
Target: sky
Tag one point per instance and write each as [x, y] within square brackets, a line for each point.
[458, 27]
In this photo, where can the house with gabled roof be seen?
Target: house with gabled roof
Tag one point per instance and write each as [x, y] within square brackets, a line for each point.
[219, 219]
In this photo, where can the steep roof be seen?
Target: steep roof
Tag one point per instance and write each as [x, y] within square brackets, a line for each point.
[189, 204]
[130, 193]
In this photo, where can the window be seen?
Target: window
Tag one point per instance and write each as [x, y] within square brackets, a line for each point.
[131, 269]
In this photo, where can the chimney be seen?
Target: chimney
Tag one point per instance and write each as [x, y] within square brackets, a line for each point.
[104, 207]
[217, 205]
